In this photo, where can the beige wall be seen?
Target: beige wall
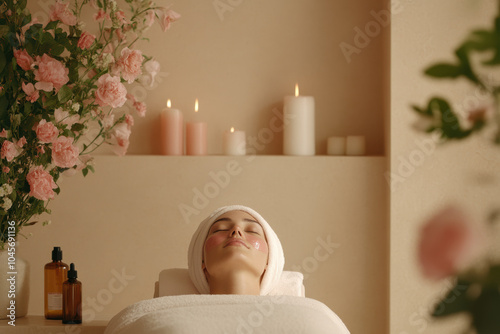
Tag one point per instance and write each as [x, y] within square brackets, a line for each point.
[241, 66]
[424, 32]
[126, 217]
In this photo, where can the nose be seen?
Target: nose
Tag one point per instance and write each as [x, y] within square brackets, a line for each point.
[236, 232]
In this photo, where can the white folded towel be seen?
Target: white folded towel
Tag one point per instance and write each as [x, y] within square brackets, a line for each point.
[275, 263]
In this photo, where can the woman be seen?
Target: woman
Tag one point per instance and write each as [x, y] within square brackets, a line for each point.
[235, 251]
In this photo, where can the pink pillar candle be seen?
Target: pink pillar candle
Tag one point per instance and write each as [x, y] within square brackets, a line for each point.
[172, 131]
[196, 138]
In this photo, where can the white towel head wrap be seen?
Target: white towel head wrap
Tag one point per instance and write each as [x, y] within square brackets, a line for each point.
[276, 259]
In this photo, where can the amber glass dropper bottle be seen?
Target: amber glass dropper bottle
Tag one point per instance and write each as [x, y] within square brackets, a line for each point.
[55, 274]
[72, 298]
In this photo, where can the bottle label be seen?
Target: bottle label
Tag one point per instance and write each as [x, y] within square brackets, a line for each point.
[55, 301]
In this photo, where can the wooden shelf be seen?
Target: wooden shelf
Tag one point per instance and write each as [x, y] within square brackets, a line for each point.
[38, 324]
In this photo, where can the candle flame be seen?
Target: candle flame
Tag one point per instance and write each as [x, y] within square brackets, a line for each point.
[196, 105]
[169, 104]
[296, 89]
[232, 129]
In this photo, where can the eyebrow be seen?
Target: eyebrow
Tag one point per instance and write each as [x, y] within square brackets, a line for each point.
[230, 220]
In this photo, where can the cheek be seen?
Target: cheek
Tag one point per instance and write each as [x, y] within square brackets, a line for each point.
[258, 243]
[213, 241]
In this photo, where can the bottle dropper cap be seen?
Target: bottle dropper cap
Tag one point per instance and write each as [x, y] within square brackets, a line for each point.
[57, 254]
[72, 273]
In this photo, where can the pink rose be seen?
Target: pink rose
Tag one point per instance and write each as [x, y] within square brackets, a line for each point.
[41, 184]
[120, 138]
[129, 120]
[448, 243]
[61, 12]
[21, 142]
[31, 93]
[100, 15]
[5, 169]
[23, 59]
[150, 18]
[50, 74]
[8, 151]
[166, 16]
[64, 154]
[130, 64]
[3, 133]
[110, 92]
[86, 40]
[46, 132]
[141, 108]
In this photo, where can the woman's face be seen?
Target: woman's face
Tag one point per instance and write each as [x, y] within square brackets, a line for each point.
[235, 241]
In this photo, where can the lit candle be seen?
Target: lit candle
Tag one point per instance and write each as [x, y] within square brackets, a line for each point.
[355, 145]
[196, 136]
[336, 146]
[172, 134]
[234, 142]
[298, 130]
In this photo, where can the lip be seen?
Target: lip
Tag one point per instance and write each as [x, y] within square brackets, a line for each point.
[235, 242]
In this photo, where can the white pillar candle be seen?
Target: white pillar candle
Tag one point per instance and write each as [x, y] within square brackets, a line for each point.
[172, 131]
[298, 130]
[336, 146]
[355, 145]
[234, 142]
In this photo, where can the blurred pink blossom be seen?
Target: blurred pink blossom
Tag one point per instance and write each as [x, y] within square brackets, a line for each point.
[23, 59]
[101, 14]
[60, 11]
[86, 40]
[46, 132]
[5, 169]
[51, 74]
[110, 91]
[166, 16]
[64, 153]
[129, 64]
[8, 151]
[140, 107]
[21, 142]
[120, 138]
[41, 183]
[3, 133]
[449, 242]
[31, 93]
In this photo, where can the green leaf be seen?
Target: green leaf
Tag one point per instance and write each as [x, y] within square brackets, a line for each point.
[85, 171]
[3, 30]
[51, 25]
[27, 108]
[455, 301]
[424, 112]
[21, 4]
[91, 168]
[3, 62]
[485, 311]
[444, 71]
[77, 127]
[64, 94]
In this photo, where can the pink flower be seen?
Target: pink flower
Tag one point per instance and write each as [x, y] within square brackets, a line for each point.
[31, 93]
[141, 108]
[110, 92]
[46, 132]
[41, 184]
[23, 59]
[120, 138]
[60, 12]
[108, 120]
[448, 243]
[8, 151]
[101, 14]
[86, 40]
[3, 133]
[150, 18]
[5, 169]
[21, 142]
[120, 16]
[166, 16]
[64, 153]
[50, 74]
[121, 36]
[130, 64]
[129, 120]
[40, 149]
